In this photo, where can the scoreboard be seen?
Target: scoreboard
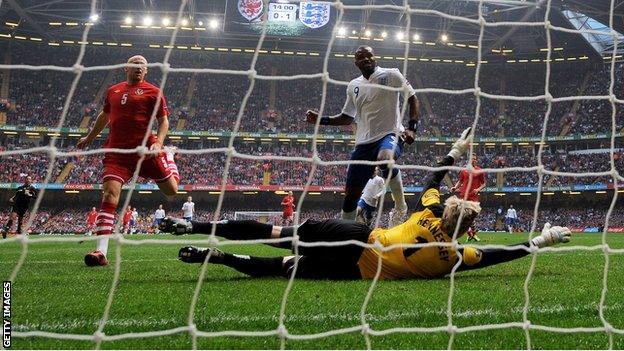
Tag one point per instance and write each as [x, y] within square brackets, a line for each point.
[284, 17]
[283, 12]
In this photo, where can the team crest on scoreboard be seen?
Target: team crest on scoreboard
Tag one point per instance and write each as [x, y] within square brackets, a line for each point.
[250, 9]
[314, 14]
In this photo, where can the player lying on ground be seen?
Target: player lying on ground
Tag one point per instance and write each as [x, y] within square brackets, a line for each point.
[380, 134]
[432, 222]
[128, 108]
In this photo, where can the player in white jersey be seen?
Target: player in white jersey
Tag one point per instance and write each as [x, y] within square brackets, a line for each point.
[371, 194]
[380, 134]
[188, 209]
[159, 215]
[511, 219]
[134, 220]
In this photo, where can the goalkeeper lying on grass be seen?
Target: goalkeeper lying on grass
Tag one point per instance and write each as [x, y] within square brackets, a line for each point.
[432, 222]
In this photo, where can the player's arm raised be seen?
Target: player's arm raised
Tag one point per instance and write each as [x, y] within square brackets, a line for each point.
[459, 148]
[431, 192]
[100, 124]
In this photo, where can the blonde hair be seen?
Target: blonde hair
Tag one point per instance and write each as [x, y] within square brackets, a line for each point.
[453, 208]
[135, 57]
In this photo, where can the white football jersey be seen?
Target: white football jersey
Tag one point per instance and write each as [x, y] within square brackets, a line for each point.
[373, 187]
[376, 110]
[188, 208]
[135, 215]
[511, 213]
[159, 214]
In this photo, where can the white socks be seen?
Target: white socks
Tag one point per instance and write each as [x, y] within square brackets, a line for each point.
[396, 188]
[102, 244]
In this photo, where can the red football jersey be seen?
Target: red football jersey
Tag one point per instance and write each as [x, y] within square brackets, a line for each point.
[129, 108]
[478, 179]
[289, 203]
[127, 216]
[91, 217]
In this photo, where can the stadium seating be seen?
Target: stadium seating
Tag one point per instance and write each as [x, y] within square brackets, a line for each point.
[214, 100]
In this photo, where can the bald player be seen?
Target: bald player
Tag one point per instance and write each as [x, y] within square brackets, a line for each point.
[128, 108]
[380, 133]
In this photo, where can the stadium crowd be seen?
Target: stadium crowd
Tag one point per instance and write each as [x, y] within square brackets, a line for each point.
[73, 221]
[210, 102]
[208, 168]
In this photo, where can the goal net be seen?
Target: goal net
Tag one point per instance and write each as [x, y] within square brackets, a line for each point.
[273, 217]
[313, 164]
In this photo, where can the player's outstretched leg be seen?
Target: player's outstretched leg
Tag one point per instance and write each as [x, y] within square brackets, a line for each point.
[250, 265]
[233, 230]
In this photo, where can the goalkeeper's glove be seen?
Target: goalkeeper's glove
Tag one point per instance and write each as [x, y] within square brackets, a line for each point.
[461, 145]
[551, 236]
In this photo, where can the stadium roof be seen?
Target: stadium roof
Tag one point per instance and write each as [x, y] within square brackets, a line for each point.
[36, 18]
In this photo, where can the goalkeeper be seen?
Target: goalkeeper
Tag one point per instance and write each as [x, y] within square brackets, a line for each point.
[433, 222]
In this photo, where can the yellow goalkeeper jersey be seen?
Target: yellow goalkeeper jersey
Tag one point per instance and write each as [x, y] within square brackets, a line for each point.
[402, 262]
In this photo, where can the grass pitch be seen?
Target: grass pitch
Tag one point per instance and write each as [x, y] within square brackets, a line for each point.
[55, 292]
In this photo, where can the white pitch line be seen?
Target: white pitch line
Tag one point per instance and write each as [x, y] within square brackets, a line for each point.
[80, 261]
[390, 316]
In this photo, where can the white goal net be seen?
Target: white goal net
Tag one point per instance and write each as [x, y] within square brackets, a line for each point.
[316, 161]
[274, 217]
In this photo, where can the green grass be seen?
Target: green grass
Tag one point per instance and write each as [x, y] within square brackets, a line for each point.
[55, 292]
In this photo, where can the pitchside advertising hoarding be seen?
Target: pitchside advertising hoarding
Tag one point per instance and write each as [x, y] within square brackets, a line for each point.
[284, 17]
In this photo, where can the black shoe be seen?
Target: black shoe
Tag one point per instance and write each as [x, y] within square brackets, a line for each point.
[175, 226]
[192, 254]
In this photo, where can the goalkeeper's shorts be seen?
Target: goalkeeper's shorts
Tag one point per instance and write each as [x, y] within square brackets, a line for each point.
[329, 262]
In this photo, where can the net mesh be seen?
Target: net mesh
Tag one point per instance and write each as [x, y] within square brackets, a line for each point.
[231, 153]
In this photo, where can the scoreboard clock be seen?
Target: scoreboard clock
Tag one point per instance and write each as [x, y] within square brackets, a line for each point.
[284, 17]
[281, 12]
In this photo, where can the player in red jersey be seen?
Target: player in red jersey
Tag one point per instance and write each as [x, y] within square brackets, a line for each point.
[126, 220]
[289, 207]
[91, 217]
[128, 109]
[472, 193]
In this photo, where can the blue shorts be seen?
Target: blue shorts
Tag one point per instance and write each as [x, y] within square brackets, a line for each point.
[510, 221]
[132, 223]
[188, 218]
[358, 175]
[157, 221]
[367, 210]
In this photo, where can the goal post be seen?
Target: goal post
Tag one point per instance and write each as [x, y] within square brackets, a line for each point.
[260, 216]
